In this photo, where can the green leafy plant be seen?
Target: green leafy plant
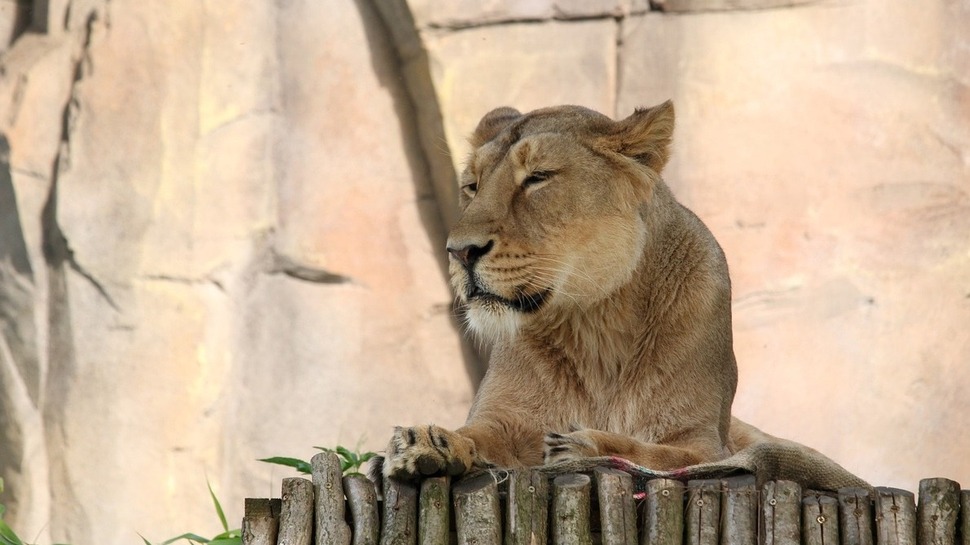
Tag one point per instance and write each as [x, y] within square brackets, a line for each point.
[7, 535]
[227, 537]
[350, 460]
[350, 463]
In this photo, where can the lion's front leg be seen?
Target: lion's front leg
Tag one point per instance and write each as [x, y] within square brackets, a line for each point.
[585, 443]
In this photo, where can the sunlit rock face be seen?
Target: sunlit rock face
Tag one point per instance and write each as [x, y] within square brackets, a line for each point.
[222, 227]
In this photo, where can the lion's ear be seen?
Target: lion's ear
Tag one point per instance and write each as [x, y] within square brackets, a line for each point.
[492, 124]
[645, 135]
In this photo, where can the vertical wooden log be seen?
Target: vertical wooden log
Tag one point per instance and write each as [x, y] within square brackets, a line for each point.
[739, 511]
[528, 508]
[435, 508]
[329, 506]
[570, 510]
[261, 519]
[820, 520]
[703, 512]
[965, 517]
[781, 513]
[855, 516]
[895, 517]
[400, 513]
[939, 507]
[362, 500]
[296, 512]
[663, 513]
[478, 516]
[618, 516]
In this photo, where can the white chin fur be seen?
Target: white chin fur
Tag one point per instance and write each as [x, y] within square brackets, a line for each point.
[493, 321]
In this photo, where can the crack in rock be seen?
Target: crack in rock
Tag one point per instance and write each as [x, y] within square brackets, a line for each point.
[57, 250]
[289, 267]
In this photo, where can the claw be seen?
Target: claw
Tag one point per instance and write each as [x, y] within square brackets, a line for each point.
[427, 465]
[456, 467]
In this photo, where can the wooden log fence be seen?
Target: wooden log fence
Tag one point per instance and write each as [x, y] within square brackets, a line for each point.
[527, 508]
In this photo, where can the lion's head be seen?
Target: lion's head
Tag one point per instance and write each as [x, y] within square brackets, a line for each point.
[552, 211]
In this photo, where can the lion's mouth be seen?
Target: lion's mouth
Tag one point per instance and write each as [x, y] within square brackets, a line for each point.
[522, 302]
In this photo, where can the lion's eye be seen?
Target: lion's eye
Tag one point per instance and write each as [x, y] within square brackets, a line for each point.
[537, 177]
[470, 189]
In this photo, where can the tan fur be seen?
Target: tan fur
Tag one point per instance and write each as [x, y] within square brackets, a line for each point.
[607, 302]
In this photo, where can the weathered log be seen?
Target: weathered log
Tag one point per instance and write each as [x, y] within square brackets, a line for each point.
[528, 508]
[329, 506]
[938, 510]
[618, 515]
[570, 510]
[820, 520]
[703, 511]
[261, 519]
[965, 517]
[296, 512]
[400, 513]
[780, 513]
[663, 513]
[895, 517]
[855, 516]
[362, 500]
[435, 507]
[478, 516]
[739, 511]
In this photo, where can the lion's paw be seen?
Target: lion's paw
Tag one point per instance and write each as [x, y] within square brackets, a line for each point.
[564, 447]
[425, 451]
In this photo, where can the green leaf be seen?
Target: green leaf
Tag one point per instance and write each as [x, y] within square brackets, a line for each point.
[295, 463]
[8, 536]
[346, 454]
[143, 539]
[215, 500]
[235, 540]
[228, 534]
[189, 537]
[324, 449]
[345, 465]
[367, 456]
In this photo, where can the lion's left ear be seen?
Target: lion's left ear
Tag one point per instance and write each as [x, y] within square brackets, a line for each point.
[645, 135]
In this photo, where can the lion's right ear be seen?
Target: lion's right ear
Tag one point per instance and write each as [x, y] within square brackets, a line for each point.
[492, 124]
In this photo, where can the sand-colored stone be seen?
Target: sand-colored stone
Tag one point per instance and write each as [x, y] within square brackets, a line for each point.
[429, 14]
[244, 261]
[478, 69]
[224, 239]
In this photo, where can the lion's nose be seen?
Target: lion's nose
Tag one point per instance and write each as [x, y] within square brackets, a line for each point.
[468, 254]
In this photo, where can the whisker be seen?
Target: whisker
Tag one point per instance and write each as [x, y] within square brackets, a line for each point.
[585, 276]
[582, 273]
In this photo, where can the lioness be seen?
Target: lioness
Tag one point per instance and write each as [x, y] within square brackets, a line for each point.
[608, 303]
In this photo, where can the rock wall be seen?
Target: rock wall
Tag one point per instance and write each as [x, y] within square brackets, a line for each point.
[221, 226]
[219, 244]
